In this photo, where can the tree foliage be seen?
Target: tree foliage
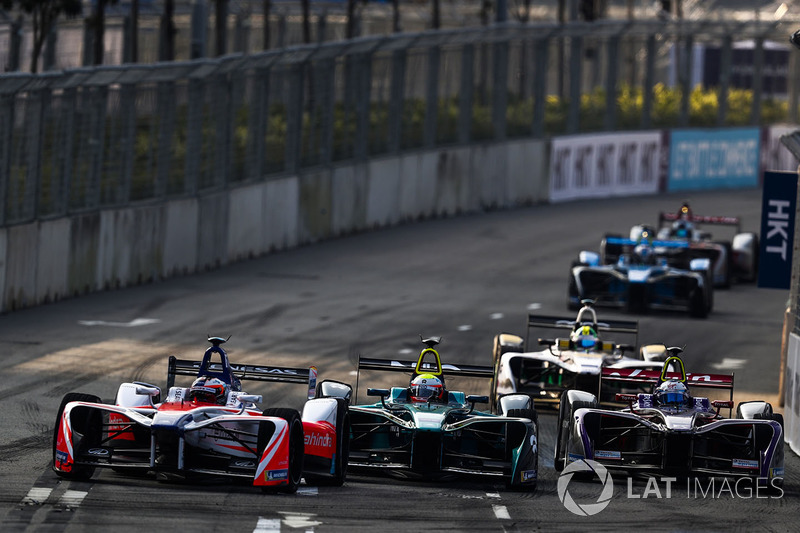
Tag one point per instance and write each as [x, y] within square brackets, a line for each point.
[44, 14]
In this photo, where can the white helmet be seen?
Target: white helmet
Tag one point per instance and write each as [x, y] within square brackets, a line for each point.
[672, 393]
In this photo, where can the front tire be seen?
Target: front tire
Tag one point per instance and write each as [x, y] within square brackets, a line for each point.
[296, 447]
[342, 450]
[86, 423]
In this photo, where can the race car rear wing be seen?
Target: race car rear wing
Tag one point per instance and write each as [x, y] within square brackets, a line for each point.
[621, 376]
[630, 327]
[699, 219]
[183, 367]
[394, 365]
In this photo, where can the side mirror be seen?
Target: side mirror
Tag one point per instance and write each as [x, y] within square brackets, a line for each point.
[473, 398]
[383, 393]
[148, 391]
[249, 398]
[334, 389]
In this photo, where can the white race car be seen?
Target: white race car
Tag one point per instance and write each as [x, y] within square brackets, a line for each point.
[566, 362]
[212, 428]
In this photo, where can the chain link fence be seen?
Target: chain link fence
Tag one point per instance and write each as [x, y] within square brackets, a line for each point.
[90, 138]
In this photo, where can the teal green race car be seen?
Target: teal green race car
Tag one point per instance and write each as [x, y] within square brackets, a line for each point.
[426, 431]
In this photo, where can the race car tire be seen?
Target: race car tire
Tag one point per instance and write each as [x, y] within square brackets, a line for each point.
[572, 293]
[87, 422]
[296, 446]
[514, 434]
[566, 411]
[342, 450]
[698, 306]
[609, 253]
[729, 265]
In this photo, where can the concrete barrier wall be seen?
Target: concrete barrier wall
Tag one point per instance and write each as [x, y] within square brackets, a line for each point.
[48, 260]
[791, 411]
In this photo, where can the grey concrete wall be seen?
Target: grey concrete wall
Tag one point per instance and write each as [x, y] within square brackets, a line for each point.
[48, 260]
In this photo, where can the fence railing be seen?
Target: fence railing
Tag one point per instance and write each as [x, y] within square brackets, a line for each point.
[87, 138]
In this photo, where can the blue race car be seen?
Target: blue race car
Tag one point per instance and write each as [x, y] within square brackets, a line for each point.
[641, 280]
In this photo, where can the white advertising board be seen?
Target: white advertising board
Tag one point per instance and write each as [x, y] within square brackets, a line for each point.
[603, 165]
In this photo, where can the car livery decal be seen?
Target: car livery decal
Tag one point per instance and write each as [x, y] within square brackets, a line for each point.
[528, 475]
[280, 440]
[320, 440]
[605, 454]
[744, 463]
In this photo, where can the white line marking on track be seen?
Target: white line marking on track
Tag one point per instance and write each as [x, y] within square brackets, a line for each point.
[268, 525]
[496, 316]
[404, 351]
[72, 498]
[132, 324]
[307, 491]
[36, 496]
[501, 512]
[534, 306]
[298, 520]
[730, 364]
[493, 494]
[464, 327]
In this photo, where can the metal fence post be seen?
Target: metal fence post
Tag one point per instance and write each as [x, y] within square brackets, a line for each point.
[431, 97]
[221, 89]
[397, 96]
[70, 99]
[575, 78]
[127, 140]
[649, 82]
[98, 96]
[294, 116]
[326, 74]
[542, 50]
[6, 137]
[33, 164]
[199, 30]
[363, 84]
[257, 125]
[467, 96]
[758, 81]
[49, 58]
[165, 104]
[15, 46]
[685, 79]
[724, 80]
[194, 134]
[612, 49]
[500, 89]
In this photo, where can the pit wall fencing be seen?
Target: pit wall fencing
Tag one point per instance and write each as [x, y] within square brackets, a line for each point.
[47, 260]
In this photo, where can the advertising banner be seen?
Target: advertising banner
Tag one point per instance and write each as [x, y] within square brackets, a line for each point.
[777, 229]
[774, 155]
[713, 159]
[592, 166]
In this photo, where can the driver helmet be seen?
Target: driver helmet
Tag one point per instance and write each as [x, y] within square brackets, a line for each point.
[585, 337]
[644, 254]
[207, 389]
[672, 393]
[682, 229]
[426, 387]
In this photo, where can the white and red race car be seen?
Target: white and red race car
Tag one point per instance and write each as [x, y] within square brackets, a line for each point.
[210, 429]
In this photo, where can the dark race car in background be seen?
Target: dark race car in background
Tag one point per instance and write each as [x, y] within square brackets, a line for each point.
[193, 433]
[731, 260]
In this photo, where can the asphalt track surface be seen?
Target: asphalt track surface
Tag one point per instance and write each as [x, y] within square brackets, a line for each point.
[465, 279]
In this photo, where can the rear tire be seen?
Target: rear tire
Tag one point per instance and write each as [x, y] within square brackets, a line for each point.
[296, 447]
[88, 423]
